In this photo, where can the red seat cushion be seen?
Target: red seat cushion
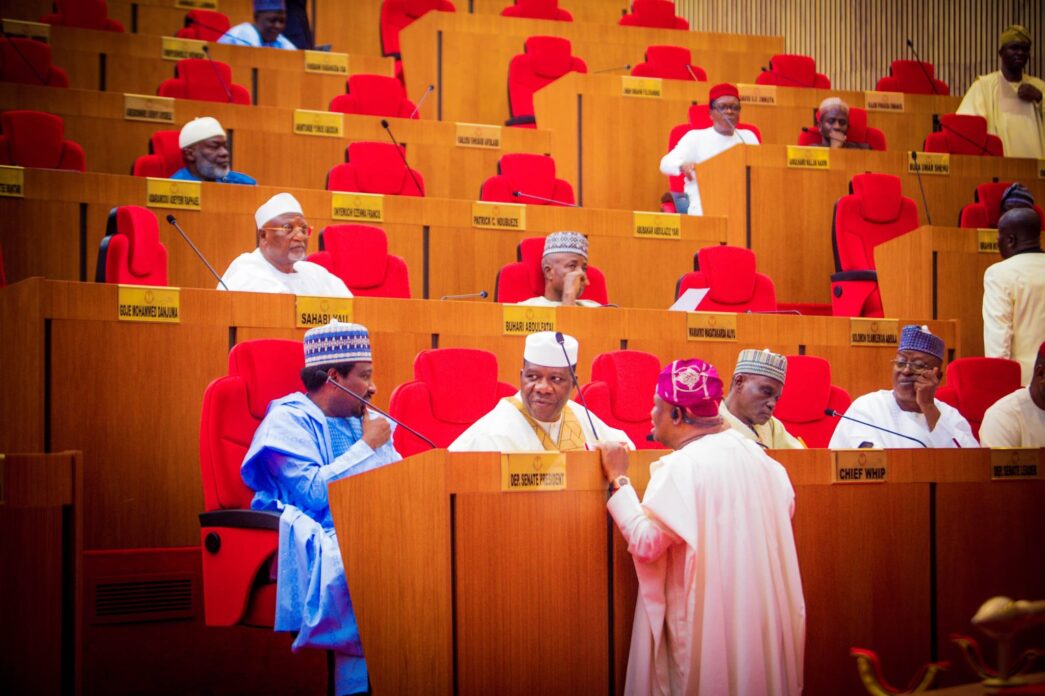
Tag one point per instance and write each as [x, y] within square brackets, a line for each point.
[964, 134]
[621, 392]
[807, 393]
[28, 62]
[733, 285]
[204, 25]
[37, 139]
[83, 14]
[375, 167]
[374, 95]
[978, 382]
[793, 70]
[204, 80]
[657, 14]
[546, 59]
[358, 255]
[912, 77]
[527, 174]
[669, 62]
[396, 15]
[135, 255]
[537, 9]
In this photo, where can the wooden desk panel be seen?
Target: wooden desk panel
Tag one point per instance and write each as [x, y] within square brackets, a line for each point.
[161, 18]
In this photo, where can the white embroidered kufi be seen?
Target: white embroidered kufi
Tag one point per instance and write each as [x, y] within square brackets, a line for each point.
[566, 243]
[199, 129]
[274, 207]
[542, 349]
[761, 362]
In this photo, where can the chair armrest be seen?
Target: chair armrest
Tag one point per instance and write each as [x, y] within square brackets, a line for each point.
[241, 519]
[854, 275]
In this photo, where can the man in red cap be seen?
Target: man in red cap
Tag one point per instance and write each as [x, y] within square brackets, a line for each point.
[703, 144]
[720, 608]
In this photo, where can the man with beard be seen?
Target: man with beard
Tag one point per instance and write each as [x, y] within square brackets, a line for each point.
[205, 151]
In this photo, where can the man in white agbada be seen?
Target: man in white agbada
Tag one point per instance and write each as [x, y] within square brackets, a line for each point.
[278, 263]
[565, 267]
[1018, 420]
[720, 607]
[911, 407]
[541, 416]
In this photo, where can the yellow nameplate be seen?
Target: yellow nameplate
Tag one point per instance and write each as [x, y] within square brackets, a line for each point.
[657, 225]
[21, 29]
[761, 95]
[318, 311]
[533, 471]
[987, 240]
[478, 135]
[196, 4]
[1015, 463]
[12, 181]
[1041, 169]
[360, 207]
[325, 123]
[873, 332]
[883, 101]
[646, 87]
[148, 303]
[929, 163]
[711, 326]
[143, 107]
[180, 49]
[173, 193]
[808, 157]
[523, 320]
[860, 466]
[499, 216]
[326, 62]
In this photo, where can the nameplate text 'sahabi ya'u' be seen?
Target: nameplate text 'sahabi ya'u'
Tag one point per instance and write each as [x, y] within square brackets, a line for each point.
[326, 63]
[323, 123]
[173, 193]
[711, 326]
[172, 48]
[310, 310]
[499, 216]
[478, 135]
[533, 471]
[874, 332]
[12, 182]
[358, 207]
[1015, 463]
[884, 101]
[860, 466]
[145, 107]
[522, 320]
[656, 225]
[146, 303]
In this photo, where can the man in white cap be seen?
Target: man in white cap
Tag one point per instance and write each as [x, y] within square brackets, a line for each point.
[758, 381]
[565, 267]
[270, 17]
[205, 150]
[278, 263]
[305, 442]
[541, 416]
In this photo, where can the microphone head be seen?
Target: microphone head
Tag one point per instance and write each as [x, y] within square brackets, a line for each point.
[431, 87]
[830, 412]
[483, 294]
[516, 194]
[914, 156]
[910, 43]
[170, 219]
[205, 49]
[559, 339]
[384, 124]
[627, 66]
[764, 69]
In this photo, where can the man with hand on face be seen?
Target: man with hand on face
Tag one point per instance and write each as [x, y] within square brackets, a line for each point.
[541, 416]
[697, 146]
[278, 264]
[758, 381]
[565, 267]
[205, 151]
[306, 442]
[270, 16]
[911, 408]
[833, 116]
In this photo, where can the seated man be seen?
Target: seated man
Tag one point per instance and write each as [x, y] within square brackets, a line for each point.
[306, 442]
[205, 150]
[541, 416]
[270, 16]
[757, 383]
[834, 125]
[1016, 196]
[565, 267]
[911, 408]
[278, 263]
[1018, 420]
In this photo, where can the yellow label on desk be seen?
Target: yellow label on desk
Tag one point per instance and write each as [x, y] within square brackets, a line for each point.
[938, 163]
[533, 471]
[499, 216]
[174, 48]
[360, 207]
[478, 135]
[196, 4]
[860, 466]
[873, 332]
[883, 101]
[711, 326]
[318, 311]
[757, 95]
[326, 123]
[656, 225]
[12, 181]
[522, 320]
[145, 107]
[645, 87]
[173, 193]
[18, 28]
[800, 157]
[1015, 463]
[987, 240]
[148, 303]
[326, 62]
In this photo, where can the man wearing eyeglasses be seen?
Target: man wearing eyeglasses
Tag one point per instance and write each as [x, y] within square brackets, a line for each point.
[278, 263]
[910, 408]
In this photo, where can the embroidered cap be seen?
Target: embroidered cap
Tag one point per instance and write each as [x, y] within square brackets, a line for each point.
[198, 130]
[566, 242]
[278, 205]
[722, 89]
[269, 6]
[914, 337]
[691, 384]
[761, 362]
[1018, 196]
[337, 342]
[542, 349]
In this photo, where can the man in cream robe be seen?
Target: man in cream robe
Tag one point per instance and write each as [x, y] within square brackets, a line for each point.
[1018, 419]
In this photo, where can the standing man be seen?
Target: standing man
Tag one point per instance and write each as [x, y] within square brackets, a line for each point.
[1014, 292]
[306, 442]
[1010, 99]
[1018, 420]
[205, 151]
[270, 17]
[565, 267]
[758, 381]
[720, 607]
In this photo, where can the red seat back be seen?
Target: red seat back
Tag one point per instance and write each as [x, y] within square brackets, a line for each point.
[733, 284]
[537, 9]
[204, 80]
[164, 157]
[669, 62]
[358, 255]
[964, 134]
[986, 210]
[375, 168]
[793, 70]
[37, 139]
[204, 25]
[525, 278]
[134, 254]
[974, 384]
[83, 14]
[398, 14]
[657, 14]
[621, 392]
[875, 212]
[544, 60]
[807, 393]
[374, 95]
[528, 174]
[28, 62]
[912, 77]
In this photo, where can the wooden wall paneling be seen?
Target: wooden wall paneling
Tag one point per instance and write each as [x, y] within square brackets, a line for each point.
[602, 11]
[163, 19]
[25, 375]
[350, 29]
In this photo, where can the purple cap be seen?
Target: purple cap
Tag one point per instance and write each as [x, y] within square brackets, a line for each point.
[691, 384]
[914, 337]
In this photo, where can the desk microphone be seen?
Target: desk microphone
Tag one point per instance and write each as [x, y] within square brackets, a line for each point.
[482, 295]
[691, 73]
[218, 30]
[32, 68]
[369, 406]
[963, 136]
[523, 194]
[175, 225]
[626, 66]
[217, 73]
[428, 90]
[561, 340]
[917, 58]
[402, 156]
[784, 76]
[918, 175]
[836, 414]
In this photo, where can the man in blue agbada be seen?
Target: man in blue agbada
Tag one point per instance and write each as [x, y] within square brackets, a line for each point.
[305, 442]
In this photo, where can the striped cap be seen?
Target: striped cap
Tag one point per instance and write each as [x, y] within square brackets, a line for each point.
[566, 243]
[761, 362]
[337, 342]
[914, 337]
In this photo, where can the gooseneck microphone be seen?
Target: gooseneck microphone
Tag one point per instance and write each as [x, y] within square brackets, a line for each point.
[369, 405]
[691, 73]
[482, 295]
[523, 194]
[918, 175]
[626, 66]
[428, 90]
[402, 156]
[217, 73]
[917, 58]
[175, 225]
[573, 373]
[963, 136]
[836, 414]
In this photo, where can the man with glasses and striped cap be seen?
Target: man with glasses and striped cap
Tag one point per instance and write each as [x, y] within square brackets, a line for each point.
[758, 381]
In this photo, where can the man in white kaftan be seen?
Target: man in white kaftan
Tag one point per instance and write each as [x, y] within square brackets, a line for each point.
[564, 264]
[1018, 419]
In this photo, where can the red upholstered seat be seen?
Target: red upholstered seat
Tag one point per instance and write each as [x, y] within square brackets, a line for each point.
[545, 59]
[204, 25]
[204, 80]
[438, 403]
[238, 542]
[526, 174]
[375, 168]
[621, 392]
[874, 212]
[671, 63]
[859, 131]
[374, 95]
[28, 62]
[807, 393]
[37, 139]
[83, 14]
[972, 385]
[358, 255]
[525, 278]
[656, 14]
[733, 284]
[131, 252]
[537, 9]
[912, 77]
[399, 14]
[986, 210]
[793, 70]
[164, 156]
[964, 134]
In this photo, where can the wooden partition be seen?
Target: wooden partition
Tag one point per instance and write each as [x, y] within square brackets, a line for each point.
[162, 18]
